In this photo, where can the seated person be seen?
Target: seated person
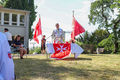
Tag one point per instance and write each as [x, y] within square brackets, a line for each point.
[17, 44]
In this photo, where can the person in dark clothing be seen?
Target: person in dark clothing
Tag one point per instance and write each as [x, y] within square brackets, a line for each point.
[8, 35]
[17, 44]
[43, 42]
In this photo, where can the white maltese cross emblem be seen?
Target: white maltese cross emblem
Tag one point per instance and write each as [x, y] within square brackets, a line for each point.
[61, 48]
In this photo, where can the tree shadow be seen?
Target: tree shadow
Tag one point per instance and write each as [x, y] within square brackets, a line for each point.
[76, 59]
[95, 54]
[34, 68]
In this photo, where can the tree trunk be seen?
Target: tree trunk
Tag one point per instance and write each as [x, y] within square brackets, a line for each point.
[116, 46]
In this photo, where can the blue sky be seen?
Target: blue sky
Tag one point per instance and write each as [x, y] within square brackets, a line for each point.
[60, 11]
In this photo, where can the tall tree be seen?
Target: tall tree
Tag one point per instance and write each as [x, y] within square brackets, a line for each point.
[98, 35]
[106, 14]
[22, 5]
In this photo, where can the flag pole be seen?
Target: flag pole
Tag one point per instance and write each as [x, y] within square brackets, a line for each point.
[41, 26]
[73, 13]
[73, 24]
[73, 30]
[39, 16]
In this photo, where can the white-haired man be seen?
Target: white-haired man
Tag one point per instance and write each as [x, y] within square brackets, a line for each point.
[58, 34]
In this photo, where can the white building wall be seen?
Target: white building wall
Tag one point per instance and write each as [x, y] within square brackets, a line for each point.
[16, 29]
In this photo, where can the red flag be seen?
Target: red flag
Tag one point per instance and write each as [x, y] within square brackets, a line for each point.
[38, 31]
[77, 29]
[61, 50]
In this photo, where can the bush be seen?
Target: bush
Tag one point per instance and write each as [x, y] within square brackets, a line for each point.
[107, 44]
[31, 51]
[88, 48]
[79, 43]
[37, 50]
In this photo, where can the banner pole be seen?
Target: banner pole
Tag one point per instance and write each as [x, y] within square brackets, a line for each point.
[73, 13]
[73, 30]
[39, 16]
[73, 24]
[48, 37]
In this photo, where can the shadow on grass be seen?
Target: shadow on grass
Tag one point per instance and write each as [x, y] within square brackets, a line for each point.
[74, 59]
[96, 54]
[39, 68]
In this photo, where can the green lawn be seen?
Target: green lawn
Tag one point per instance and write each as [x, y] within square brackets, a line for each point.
[86, 67]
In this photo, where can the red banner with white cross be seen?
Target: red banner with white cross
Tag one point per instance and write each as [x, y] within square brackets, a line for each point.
[62, 50]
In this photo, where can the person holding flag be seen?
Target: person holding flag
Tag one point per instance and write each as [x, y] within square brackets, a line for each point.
[58, 34]
[6, 61]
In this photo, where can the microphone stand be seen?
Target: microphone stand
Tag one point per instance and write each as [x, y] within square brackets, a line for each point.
[48, 37]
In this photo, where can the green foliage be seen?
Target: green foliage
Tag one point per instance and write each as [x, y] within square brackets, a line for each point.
[116, 4]
[85, 38]
[89, 41]
[100, 13]
[79, 43]
[36, 50]
[98, 35]
[2, 2]
[103, 13]
[93, 38]
[89, 48]
[108, 43]
[22, 5]
[31, 51]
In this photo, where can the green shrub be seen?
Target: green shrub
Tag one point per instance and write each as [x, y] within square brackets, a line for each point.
[88, 48]
[107, 44]
[79, 43]
[37, 50]
[31, 51]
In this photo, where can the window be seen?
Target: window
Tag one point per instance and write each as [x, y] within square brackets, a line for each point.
[14, 19]
[6, 18]
[22, 20]
[0, 17]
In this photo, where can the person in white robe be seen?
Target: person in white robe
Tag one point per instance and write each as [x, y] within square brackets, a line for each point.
[6, 61]
[58, 35]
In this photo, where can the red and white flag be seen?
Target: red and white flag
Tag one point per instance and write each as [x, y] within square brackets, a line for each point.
[62, 50]
[77, 29]
[38, 31]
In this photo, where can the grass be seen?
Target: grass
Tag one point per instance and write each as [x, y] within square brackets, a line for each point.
[86, 67]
